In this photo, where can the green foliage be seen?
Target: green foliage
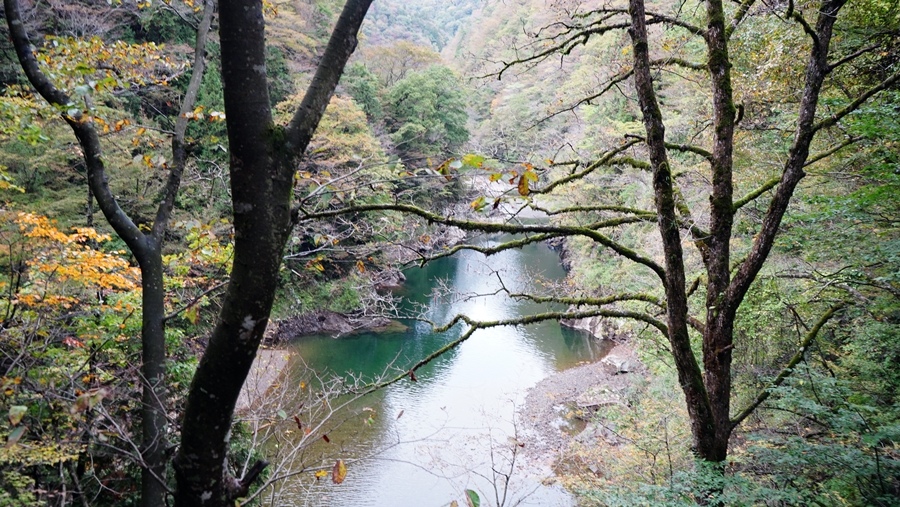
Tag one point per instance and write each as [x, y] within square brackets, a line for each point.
[841, 450]
[209, 138]
[160, 24]
[280, 83]
[364, 87]
[426, 113]
[17, 490]
[298, 296]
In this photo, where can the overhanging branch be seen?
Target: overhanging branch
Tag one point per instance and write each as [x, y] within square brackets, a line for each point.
[606, 159]
[521, 321]
[788, 369]
[739, 17]
[492, 250]
[768, 185]
[853, 106]
[598, 208]
[469, 225]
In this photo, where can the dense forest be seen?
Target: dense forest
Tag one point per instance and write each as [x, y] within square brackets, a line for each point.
[189, 185]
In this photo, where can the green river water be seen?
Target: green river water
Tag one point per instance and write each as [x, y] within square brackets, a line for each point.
[464, 407]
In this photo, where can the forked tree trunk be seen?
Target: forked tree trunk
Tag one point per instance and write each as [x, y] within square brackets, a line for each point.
[708, 391]
[263, 161]
[146, 247]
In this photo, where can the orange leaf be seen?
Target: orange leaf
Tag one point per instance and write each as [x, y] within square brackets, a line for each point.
[339, 472]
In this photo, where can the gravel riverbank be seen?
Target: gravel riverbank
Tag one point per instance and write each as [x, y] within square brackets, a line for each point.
[556, 408]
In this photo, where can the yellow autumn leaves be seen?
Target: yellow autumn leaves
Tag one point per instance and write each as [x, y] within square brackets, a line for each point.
[68, 258]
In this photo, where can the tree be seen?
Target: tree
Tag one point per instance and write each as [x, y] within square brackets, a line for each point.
[365, 89]
[393, 62]
[146, 246]
[263, 160]
[427, 113]
[699, 206]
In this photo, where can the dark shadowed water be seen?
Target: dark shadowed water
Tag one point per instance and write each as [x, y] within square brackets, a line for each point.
[459, 420]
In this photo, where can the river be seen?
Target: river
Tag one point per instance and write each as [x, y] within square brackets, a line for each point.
[430, 440]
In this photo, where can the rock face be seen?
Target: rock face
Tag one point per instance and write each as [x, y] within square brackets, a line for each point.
[324, 322]
[560, 246]
[389, 280]
[600, 327]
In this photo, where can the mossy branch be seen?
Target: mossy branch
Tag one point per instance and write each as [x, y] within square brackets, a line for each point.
[789, 368]
[743, 201]
[606, 160]
[471, 225]
[853, 106]
[492, 250]
[599, 208]
[521, 321]
[738, 17]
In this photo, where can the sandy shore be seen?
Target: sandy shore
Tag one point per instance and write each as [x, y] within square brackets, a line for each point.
[266, 369]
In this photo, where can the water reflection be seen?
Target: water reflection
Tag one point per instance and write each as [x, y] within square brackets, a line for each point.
[458, 420]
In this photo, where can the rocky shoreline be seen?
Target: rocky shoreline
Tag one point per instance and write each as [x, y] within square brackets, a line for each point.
[328, 323]
[557, 411]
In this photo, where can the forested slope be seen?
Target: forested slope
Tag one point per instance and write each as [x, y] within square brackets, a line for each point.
[538, 99]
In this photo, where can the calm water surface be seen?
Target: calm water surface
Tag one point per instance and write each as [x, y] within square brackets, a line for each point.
[462, 411]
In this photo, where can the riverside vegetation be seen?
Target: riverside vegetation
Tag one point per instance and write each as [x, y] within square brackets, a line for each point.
[723, 176]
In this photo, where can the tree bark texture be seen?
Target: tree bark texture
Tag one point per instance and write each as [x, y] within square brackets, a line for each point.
[263, 161]
[708, 394]
[689, 374]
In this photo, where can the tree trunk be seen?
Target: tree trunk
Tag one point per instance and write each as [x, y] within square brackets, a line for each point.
[703, 427]
[145, 247]
[708, 395]
[153, 386]
[263, 160]
[718, 338]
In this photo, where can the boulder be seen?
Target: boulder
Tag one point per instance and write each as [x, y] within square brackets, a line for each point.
[389, 280]
[619, 363]
[598, 396]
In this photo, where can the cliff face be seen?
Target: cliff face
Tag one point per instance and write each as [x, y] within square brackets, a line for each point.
[602, 328]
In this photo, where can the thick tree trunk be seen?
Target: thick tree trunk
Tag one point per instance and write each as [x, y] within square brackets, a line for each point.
[718, 336]
[703, 423]
[263, 161]
[708, 395]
